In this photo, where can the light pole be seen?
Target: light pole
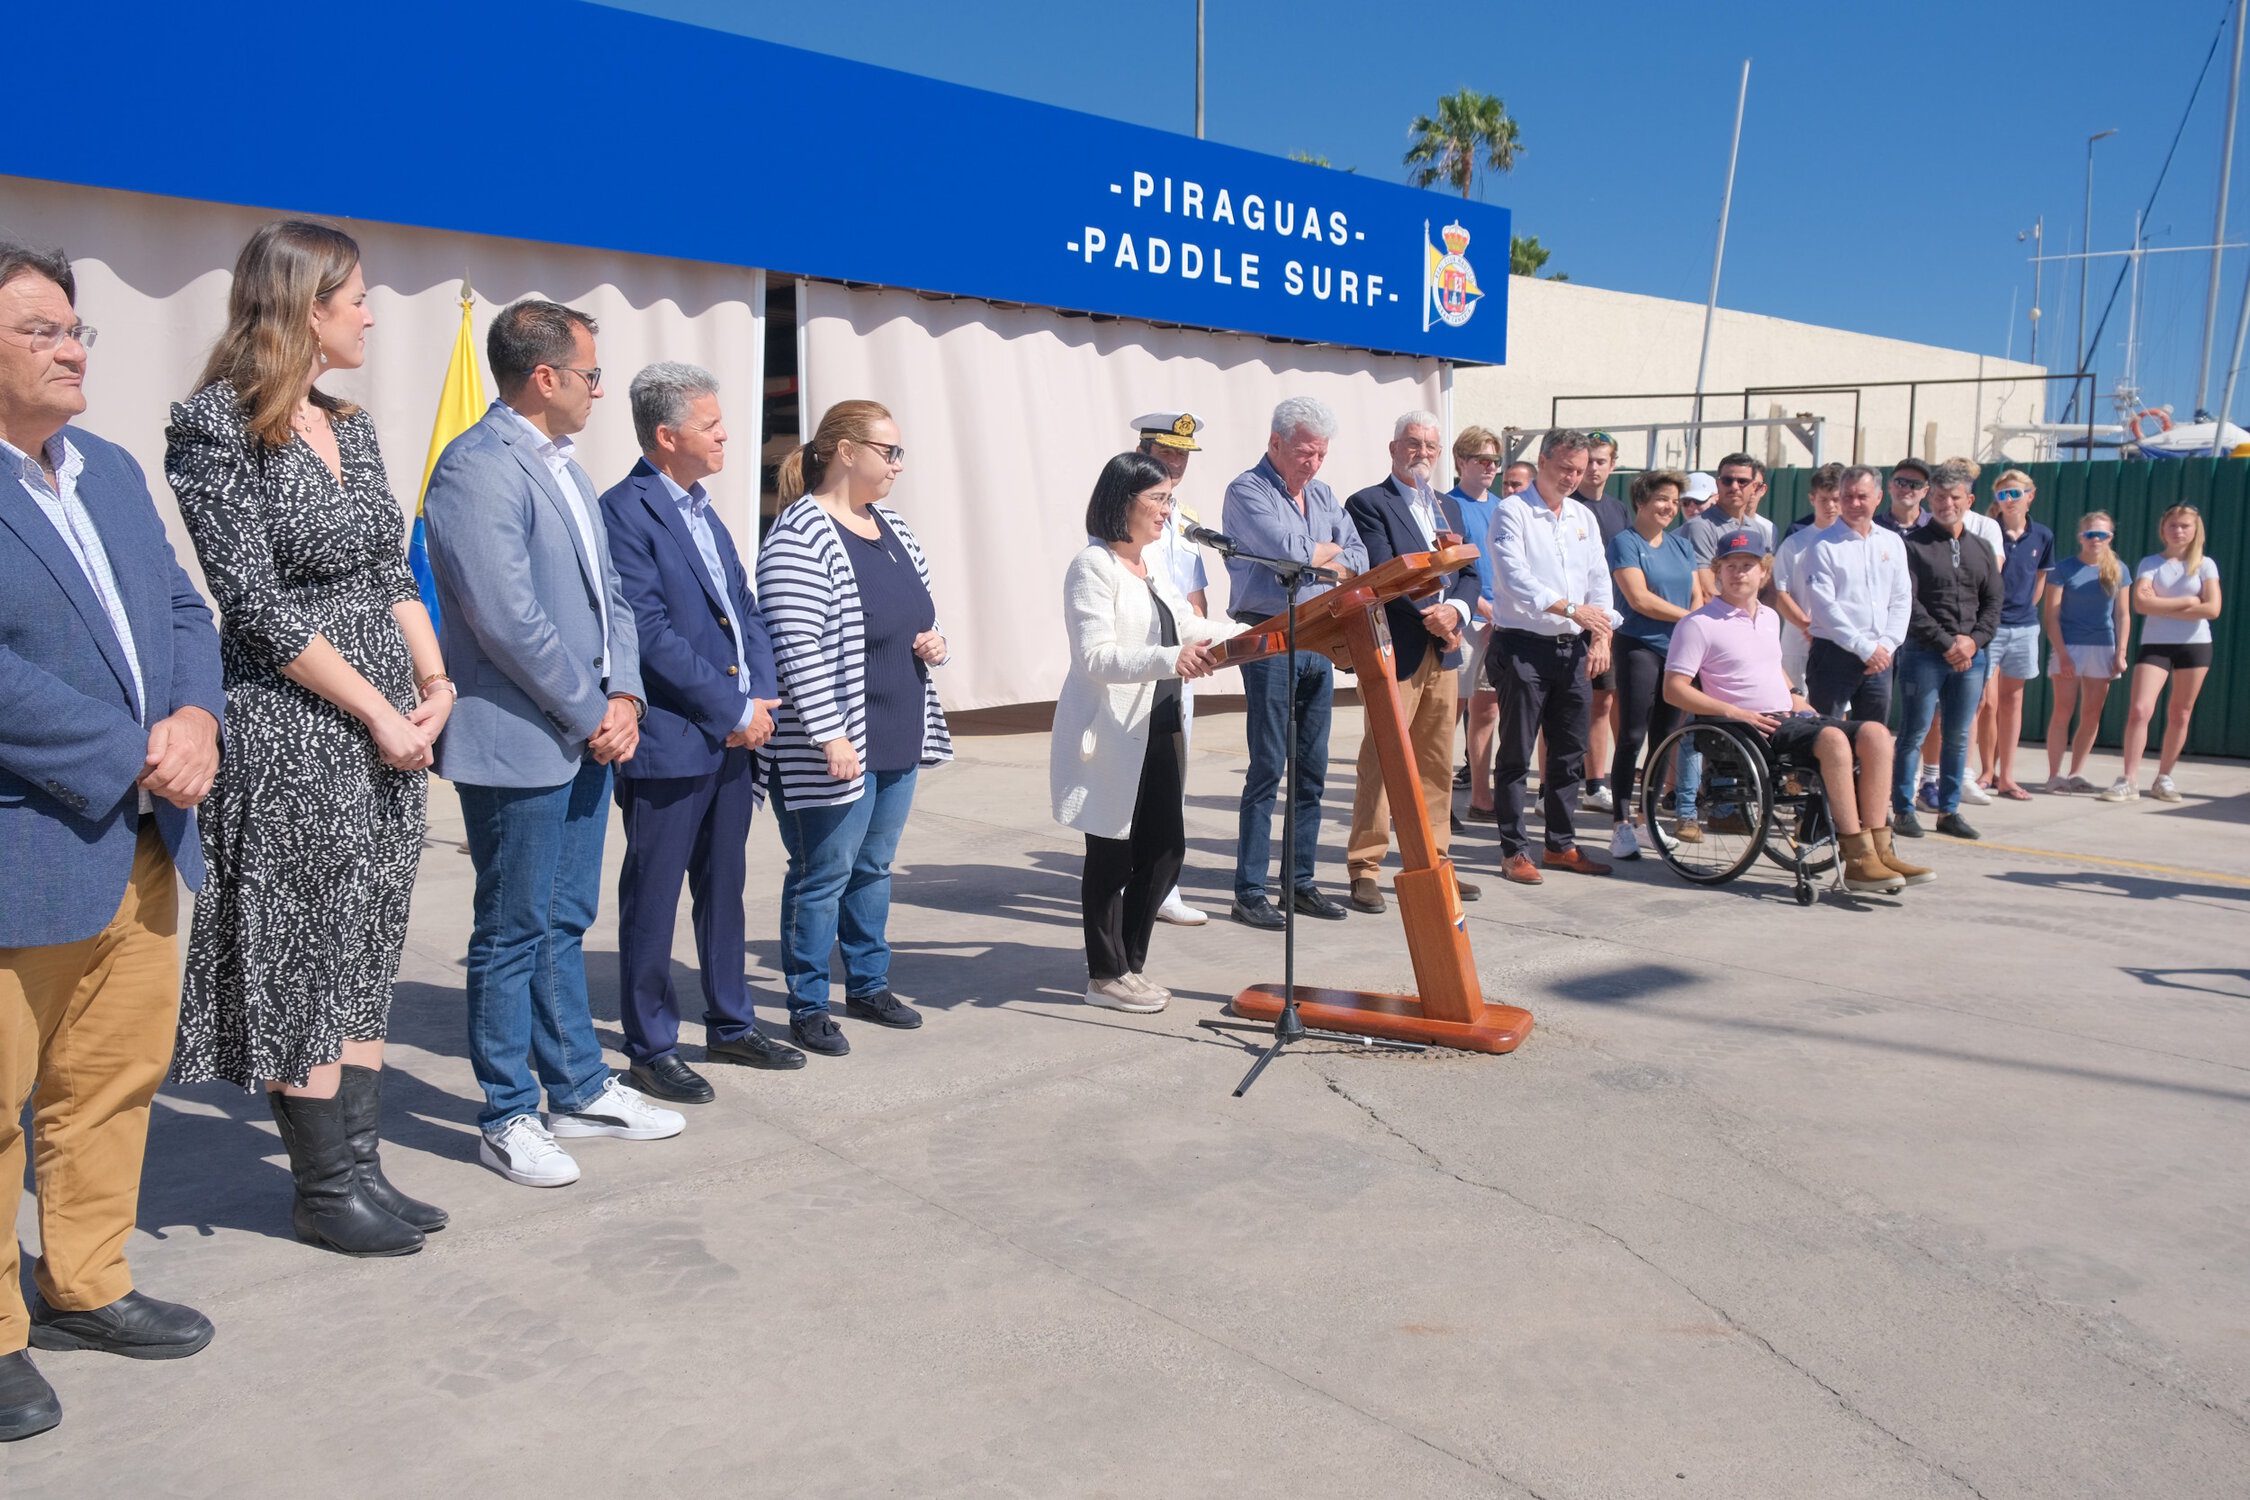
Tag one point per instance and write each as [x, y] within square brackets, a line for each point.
[2037, 234]
[2087, 243]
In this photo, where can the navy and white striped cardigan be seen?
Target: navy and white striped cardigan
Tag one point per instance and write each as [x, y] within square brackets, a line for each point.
[809, 596]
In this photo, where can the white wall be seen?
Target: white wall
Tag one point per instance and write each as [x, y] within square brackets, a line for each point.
[153, 275]
[1567, 339]
[1008, 415]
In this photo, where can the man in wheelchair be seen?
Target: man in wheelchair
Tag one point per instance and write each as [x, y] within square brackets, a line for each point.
[1725, 663]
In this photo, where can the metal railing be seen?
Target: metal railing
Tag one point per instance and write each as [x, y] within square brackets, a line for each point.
[1853, 389]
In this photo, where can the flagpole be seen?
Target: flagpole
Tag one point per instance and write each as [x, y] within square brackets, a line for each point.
[1718, 259]
[1427, 251]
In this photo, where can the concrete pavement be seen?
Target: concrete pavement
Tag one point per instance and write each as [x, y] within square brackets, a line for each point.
[1941, 1195]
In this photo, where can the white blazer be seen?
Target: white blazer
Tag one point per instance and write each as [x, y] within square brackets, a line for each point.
[1117, 657]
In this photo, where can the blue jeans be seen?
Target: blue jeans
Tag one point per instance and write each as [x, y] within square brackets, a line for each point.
[1928, 687]
[1266, 685]
[538, 857]
[838, 887]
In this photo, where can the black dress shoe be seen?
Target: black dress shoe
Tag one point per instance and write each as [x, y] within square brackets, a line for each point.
[884, 1009]
[819, 1033]
[135, 1326]
[1954, 826]
[28, 1405]
[1453, 821]
[1312, 903]
[1905, 825]
[1259, 913]
[671, 1080]
[754, 1051]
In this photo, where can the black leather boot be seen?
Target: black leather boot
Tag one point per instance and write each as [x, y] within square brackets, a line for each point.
[332, 1208]
[362, 1094]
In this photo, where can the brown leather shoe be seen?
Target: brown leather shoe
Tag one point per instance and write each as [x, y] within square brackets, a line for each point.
[1366, 894]
[1520, 869]
[1573, 859]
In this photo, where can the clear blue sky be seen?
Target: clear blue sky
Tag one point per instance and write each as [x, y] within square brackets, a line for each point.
[1890, 153]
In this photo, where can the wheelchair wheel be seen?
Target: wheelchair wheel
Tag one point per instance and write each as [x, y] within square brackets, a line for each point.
[1800, 837]
[1712, 825]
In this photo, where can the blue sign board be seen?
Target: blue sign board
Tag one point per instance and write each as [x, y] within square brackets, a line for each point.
[577, 124]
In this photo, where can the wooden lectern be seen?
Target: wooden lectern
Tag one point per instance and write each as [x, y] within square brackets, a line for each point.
[1347, 625]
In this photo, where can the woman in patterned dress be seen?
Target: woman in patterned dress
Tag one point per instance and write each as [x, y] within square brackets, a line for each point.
[335, 694]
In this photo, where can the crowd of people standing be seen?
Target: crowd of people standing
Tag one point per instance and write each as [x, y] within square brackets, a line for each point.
[592, 650]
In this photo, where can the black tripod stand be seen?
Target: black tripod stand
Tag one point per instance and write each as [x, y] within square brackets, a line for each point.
[1288, 1026]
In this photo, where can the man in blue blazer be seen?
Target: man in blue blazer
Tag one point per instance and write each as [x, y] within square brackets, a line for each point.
[110, 702]
[688, 795]
[1406, 514]
[545, 652]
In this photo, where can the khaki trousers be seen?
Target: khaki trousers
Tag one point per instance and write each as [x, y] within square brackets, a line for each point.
[91, 1024]
[1432, 700]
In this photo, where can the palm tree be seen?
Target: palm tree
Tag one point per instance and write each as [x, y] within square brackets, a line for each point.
[1526, 255]
[1314, 159]
[1447, 147]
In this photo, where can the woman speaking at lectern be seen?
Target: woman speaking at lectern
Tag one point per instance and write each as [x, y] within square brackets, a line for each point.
[1117, 760]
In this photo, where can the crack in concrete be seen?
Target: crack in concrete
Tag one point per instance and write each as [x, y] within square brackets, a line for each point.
[1732, 1322]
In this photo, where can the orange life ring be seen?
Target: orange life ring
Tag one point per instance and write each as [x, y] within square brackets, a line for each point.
[2134, 426]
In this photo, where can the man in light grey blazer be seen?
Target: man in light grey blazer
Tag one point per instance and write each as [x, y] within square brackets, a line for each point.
[545, 655]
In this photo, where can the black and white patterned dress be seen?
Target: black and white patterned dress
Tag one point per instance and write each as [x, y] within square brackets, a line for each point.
[311, 840]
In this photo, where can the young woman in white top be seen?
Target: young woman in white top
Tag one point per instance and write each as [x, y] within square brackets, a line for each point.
[2176, 592]
[1117, 757]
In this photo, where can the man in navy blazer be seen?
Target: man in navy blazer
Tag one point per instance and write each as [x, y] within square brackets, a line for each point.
[687, 796]
[110, 703]
[1406, 514]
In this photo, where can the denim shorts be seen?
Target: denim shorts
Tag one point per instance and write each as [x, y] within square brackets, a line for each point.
[2015, 651]
[2096, 662]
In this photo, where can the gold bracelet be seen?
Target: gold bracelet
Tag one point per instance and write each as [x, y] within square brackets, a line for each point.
[423, 687]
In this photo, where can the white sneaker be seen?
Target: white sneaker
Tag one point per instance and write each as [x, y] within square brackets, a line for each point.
[523, 1152]
[1596, 800]
[1975, 795]
[621, 1112]
[1624, 843]
[1117, 994]
[2163, 790]
[2120, 790]
[1179, 913]
[1149, 987]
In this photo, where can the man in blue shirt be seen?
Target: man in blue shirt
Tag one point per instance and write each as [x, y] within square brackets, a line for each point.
[1476, 470]
[1278, 509]
[2029, 552]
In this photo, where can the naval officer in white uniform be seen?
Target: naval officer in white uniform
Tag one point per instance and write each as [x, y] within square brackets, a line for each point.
[1169, 437]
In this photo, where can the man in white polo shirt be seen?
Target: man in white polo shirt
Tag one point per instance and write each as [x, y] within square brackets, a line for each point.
[1725, 663]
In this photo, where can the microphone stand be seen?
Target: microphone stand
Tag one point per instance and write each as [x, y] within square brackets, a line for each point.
[1289, 1026]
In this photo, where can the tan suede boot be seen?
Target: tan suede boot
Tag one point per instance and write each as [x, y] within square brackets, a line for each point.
[1863, 871]
[1913, 874]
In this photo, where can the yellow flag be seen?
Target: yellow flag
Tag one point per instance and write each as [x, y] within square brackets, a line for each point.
[462, 403]
[460, 407]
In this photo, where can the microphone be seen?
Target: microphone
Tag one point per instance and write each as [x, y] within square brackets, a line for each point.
[1217, 541]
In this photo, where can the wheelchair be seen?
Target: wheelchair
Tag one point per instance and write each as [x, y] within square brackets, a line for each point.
[1713, 799]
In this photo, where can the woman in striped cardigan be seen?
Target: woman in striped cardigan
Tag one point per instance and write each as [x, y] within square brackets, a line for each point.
[845, 591]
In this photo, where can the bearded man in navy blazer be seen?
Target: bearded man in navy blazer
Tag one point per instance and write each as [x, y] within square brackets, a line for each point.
[110, 702]
[1404, 514]
[687, 796]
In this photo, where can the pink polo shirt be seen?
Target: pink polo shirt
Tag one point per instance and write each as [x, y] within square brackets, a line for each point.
[1737, 653]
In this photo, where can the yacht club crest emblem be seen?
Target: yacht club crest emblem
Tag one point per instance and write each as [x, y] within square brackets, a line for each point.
[1449, 286]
